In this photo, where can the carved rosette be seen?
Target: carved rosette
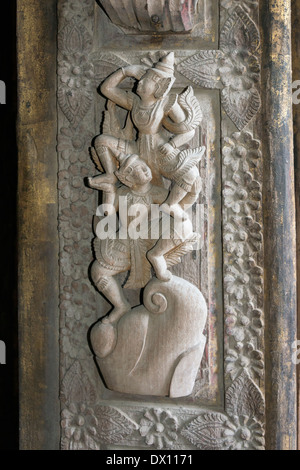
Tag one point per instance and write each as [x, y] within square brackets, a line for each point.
[89, 425]
[243, 242]
[234, 70]
[88, 422]
[241, 428]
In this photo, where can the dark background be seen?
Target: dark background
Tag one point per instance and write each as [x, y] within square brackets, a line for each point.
[8, 229]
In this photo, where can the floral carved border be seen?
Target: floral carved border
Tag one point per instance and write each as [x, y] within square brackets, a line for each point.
[90, 423]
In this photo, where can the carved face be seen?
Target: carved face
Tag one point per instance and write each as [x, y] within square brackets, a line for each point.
[148, 85]
[137, 174]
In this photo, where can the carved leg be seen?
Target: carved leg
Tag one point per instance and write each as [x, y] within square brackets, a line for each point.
[109, 164]
[157, 259]
[192, 197]
[176, 195]
[112, 290]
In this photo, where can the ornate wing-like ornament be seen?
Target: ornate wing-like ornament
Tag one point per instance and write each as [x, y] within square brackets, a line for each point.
[174, 256]
[191, 107]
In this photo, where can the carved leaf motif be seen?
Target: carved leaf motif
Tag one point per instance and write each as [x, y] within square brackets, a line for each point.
[74, 104]
[203, 69]
[241, 106]
[208, 432]
[243, 398]
[239, 33]
[74, 38]
[106, 64]
[174, 257]
[113, 426]
[77, 387]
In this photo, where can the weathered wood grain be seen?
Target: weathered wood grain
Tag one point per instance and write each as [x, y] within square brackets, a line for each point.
[279, 221]
[296, 109]
[37, 220]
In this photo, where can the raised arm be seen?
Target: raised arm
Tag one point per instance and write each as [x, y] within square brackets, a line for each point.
[110, 87]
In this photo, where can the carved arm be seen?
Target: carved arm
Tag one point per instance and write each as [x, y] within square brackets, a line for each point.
[110, 87]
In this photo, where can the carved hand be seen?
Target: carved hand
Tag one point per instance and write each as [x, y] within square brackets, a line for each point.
[100, 185]
[135, 71]
[167, 149]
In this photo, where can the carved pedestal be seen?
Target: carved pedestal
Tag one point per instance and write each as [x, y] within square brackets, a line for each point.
[156, 349]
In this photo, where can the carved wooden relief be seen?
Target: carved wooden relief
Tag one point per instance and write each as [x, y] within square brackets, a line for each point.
[146, 15]
[216, 65]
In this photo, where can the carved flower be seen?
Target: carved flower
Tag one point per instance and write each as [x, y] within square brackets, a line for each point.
[75, 93]
[72, 186]
[243, 278]
[79, 424]
[240, 429]
[239, 71]
[241, 234]
[73, 144]
[71, 8]
[235, 239]
[244, 357]
[76, 72]
[245, 433]
[214, 431]
[159, 428]
[242, 324]
[248, 434]
[77, 216]
[74, 339]
[241, 152]
[242, 194]
[71, 310]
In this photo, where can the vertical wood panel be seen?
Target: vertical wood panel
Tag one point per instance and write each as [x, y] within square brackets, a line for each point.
[280, 243]
[296, 108]
[37, 219]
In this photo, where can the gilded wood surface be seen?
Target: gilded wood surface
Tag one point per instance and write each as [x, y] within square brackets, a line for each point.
[279, 219]
[37, 218]
[296, 109]
[132, 424]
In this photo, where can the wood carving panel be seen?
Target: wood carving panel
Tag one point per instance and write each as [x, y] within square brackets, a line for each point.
[157, 25]
[226, 83]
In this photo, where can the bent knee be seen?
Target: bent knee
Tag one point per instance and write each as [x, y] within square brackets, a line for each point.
[197, 186]
[97, 272]
[106, 141]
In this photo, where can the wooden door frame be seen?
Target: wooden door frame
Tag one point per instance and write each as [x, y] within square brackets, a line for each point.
[296, 109]
[38, 240]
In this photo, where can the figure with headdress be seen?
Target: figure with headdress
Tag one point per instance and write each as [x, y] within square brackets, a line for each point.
[165, 123]
[115, 255]
[135, 160]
